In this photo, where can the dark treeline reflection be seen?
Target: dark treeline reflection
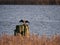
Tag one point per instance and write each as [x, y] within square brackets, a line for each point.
[49, 2]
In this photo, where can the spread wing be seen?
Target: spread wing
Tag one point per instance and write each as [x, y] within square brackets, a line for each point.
[21, 21]
[27, 21]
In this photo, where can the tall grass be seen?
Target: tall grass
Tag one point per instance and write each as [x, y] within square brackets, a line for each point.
[32, 40]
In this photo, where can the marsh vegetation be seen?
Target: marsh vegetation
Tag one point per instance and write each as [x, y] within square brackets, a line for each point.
[32, 40]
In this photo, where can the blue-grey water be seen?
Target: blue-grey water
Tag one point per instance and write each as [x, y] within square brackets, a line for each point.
[43, 18]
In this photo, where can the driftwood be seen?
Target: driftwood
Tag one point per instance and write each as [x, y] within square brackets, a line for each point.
[22, 30]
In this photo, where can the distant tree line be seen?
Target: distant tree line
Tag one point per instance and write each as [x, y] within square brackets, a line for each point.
[33, 2]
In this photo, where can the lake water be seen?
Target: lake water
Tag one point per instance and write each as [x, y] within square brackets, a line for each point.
[43, 18]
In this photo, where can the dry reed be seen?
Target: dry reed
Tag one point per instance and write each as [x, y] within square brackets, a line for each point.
[32, 40]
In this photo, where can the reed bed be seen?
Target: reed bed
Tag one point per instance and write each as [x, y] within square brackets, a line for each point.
[33, 2]
[32, 40]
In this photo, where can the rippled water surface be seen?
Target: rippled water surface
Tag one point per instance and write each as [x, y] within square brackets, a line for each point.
[43, 18]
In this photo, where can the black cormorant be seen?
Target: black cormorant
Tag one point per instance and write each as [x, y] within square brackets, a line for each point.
[24, 21]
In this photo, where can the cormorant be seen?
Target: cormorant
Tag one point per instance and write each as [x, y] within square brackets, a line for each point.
[24, 21]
